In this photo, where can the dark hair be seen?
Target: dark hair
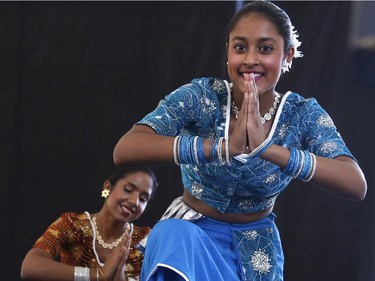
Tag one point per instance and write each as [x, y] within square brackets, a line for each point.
[120, 172]
[275, 14]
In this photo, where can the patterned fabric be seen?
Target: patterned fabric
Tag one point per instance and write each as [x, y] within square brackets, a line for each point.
[212, 250]
[70, 240]
[249, 184]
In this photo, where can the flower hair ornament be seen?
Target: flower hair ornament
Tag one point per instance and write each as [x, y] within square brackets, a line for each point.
[295, 43]
[105, 193]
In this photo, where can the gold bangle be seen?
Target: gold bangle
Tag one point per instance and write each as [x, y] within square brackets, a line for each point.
[101, 273]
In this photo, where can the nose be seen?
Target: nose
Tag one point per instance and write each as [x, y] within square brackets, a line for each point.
[134, 199]
[251, 57]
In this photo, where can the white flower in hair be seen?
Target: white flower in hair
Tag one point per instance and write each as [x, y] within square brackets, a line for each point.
[297, 53]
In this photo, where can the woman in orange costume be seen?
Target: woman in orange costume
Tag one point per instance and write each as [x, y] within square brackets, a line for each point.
[96, 246]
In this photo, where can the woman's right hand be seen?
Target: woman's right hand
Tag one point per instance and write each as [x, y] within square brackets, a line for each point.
[114, 267]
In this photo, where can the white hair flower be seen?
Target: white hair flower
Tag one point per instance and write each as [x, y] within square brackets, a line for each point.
[297, 53]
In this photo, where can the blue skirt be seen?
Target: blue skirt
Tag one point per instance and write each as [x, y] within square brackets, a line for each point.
[207, 249]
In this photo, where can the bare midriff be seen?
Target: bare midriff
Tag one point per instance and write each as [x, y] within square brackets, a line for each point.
[208, 211]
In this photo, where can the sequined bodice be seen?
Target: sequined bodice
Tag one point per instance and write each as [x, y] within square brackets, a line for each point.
[248, 184]
[70, 240]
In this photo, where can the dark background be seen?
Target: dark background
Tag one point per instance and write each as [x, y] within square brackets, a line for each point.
[75, 76]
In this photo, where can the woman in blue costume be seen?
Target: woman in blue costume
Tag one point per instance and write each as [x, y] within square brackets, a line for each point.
[239, 145]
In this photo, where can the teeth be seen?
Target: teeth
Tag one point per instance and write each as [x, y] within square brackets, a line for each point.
[256, 75]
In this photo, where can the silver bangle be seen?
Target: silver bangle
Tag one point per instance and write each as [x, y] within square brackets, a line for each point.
[81, 273]
[220, 151]
[195, 150]
[176, 149]
[227, 151]
[313, 169]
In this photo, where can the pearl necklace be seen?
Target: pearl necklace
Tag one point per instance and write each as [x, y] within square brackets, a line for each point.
[271, 112]
[101, 241]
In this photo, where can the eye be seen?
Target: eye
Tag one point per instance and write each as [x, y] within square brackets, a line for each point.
[240, 48]
[128, 188]
[144, 199]
[265, 49]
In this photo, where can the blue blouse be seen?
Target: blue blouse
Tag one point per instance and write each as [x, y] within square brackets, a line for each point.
[249, 184]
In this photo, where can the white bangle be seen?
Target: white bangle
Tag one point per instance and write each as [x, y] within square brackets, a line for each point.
[227, 151]
[81, 273]
[176, 143]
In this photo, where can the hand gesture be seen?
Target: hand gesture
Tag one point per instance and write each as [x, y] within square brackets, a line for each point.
[248, 131]
[114, 267]
[254, 126]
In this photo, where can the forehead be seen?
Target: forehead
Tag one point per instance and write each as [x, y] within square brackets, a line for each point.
[255, 25]
[141, 180]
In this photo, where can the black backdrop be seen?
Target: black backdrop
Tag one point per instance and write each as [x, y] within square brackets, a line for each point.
[75, 76]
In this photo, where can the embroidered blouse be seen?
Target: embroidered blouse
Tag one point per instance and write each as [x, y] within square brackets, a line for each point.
[70, 239]
[249, 184]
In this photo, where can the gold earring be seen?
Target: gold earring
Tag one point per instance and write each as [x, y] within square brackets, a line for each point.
[105, 193]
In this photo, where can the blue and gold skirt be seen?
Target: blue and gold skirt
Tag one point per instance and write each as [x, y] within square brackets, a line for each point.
[201, 248]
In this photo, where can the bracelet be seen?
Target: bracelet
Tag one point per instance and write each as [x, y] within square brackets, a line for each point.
[81, 273]
[260, 148]
[195, 149]
[100, 273]
[200, 151]
[312, 173]
[213, 155]
[301, 165]
[227, 158]
[219, 150]
[97, 275]
[176, 143]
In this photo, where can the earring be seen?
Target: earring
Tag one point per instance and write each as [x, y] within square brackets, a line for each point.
[285, 66]
[227, 63]
[105, 193]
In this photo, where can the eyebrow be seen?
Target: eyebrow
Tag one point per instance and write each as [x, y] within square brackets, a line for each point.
[262, 39]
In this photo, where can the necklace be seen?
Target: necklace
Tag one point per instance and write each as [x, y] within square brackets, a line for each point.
[271, 112]
[101, 241]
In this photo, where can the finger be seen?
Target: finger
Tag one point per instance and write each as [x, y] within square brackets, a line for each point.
[254, 85]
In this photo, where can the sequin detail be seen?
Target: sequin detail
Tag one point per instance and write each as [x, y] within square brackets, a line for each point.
[261, 262]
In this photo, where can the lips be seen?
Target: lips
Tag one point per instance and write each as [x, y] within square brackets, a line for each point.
[257, 75]
[126, 210]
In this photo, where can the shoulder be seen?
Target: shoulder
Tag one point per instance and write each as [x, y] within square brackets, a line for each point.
[298, 102]
[75, 220]
[293, 97]
[205, 85]
[210, 83]
[75, 216]
[139, 232]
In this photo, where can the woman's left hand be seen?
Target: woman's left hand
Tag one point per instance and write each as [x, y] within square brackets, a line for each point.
[255, 130]
[121, 268]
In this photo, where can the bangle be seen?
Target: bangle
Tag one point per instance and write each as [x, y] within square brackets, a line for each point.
[313, 169]
[260, 148]
[227, 157]
[219, 150]
[97, 275]
[100, 273]
[176, 143]
[200, 151]
[195, 149]
[301, 165]
[81, 273]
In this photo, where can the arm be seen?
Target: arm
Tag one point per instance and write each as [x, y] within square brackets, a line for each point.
[39, 265]
[151, 141]
[141, 145]
[340, 175]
